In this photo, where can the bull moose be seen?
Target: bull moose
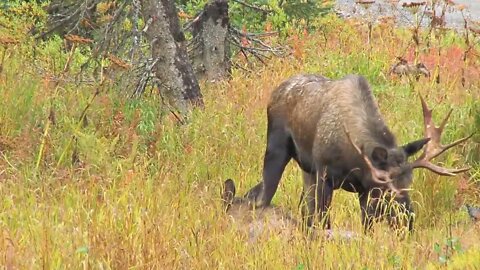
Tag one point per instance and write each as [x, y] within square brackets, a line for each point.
[334, 131]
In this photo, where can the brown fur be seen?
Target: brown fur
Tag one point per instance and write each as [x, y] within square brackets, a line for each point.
[403, 68]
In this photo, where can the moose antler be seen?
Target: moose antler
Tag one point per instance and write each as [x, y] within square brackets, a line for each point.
[434, 147]
[378, 176]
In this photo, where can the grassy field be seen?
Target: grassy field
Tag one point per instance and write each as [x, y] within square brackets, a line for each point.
[135, 190]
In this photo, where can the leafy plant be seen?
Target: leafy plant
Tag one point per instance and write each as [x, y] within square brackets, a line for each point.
[255, 15]
[143, 191]
[395, 260]
[450, 247]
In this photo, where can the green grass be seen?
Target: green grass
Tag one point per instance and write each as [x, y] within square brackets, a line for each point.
[146, 191]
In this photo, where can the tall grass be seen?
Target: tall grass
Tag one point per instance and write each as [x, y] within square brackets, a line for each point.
[144, 192]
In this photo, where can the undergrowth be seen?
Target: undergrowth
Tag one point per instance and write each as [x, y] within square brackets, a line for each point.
[126, 186]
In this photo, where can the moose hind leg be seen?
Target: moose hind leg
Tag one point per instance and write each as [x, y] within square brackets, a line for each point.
[316, 199]
[277, 155]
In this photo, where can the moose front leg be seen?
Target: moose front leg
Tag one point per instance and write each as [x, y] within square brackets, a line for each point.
[316, 199]
[401, 214]
[277, 155]
[370, 207]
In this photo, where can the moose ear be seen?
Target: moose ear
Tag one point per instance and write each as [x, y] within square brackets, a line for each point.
[228, 192]
[411, 148]
[379, 155]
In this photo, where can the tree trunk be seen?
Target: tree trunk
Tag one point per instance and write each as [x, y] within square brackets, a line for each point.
[173, 69]
[211, 53]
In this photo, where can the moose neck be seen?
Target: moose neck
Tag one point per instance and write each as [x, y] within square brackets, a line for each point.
[363, 114]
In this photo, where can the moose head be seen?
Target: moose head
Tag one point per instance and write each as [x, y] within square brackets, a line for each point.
[397, 177]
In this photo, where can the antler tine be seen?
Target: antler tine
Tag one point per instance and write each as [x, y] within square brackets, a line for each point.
[434, 147]
[351, 141]
[444, 122]
[450, 145]
[440, 170]
[427, 115]
[377, 174]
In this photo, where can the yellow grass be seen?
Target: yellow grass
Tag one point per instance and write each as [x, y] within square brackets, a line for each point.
[144, 192]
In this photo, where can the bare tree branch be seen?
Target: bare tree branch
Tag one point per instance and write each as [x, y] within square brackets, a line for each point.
[263, 10]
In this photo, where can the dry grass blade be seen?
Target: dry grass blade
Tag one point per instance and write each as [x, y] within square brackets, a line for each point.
[6, 41]
[78, 39]
[118, 62]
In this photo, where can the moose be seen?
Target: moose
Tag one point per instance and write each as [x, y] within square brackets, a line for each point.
[334, 131]
[403, 68]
